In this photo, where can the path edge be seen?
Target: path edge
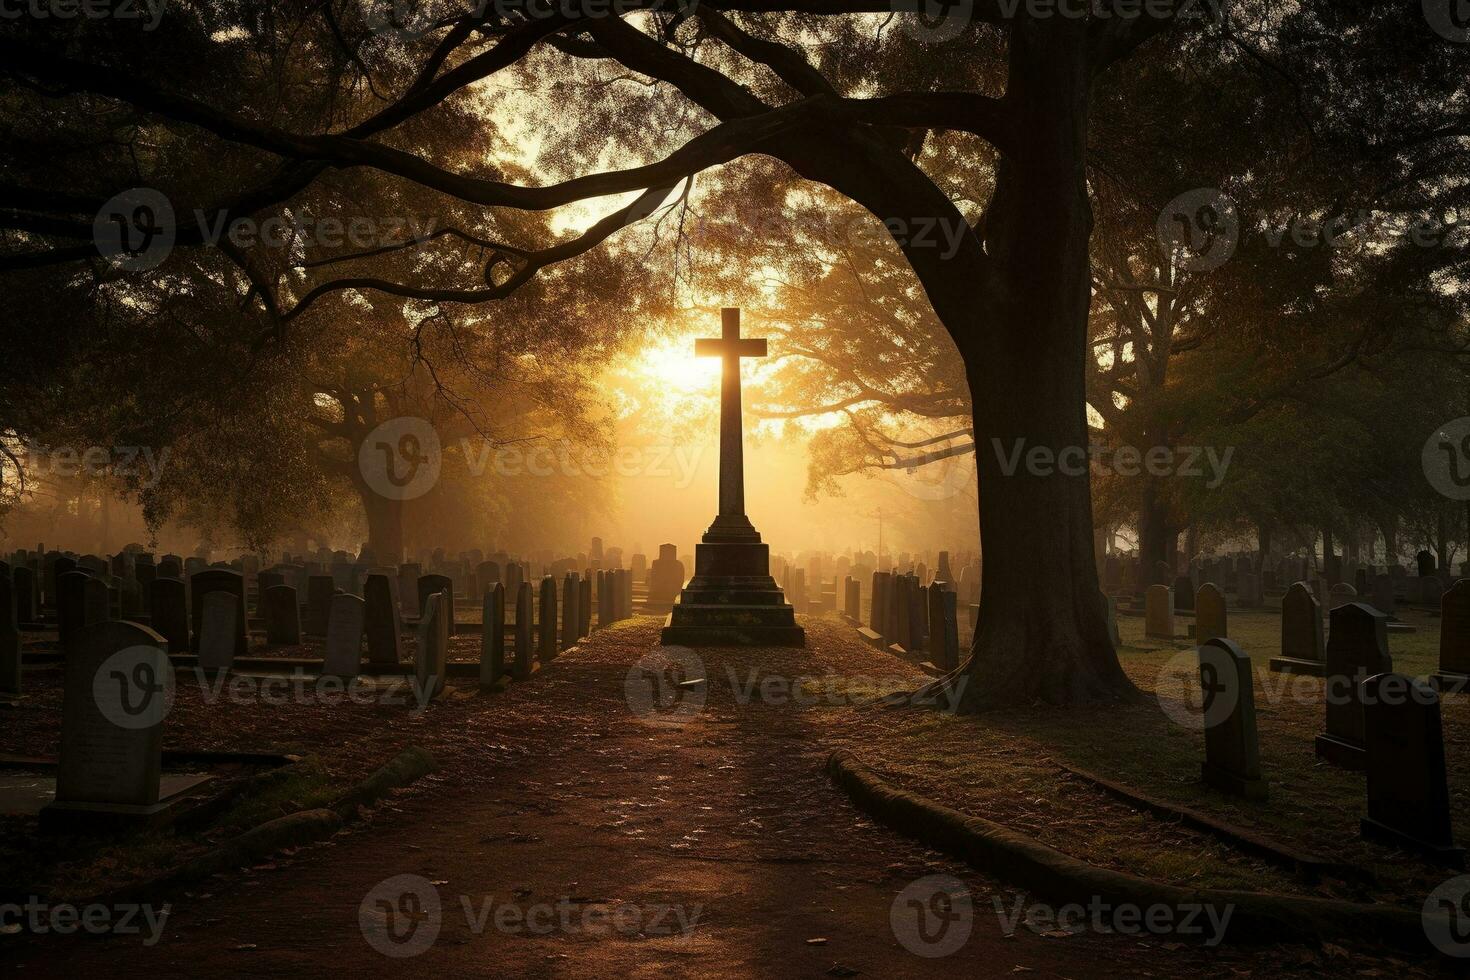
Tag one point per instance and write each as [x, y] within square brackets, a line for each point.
[1257, 917]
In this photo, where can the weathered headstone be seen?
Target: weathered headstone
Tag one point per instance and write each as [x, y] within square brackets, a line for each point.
[168, 613]
[492, 639]
[1232, 756]
[408, 589]
[218, 580]
[1209, 614]
[1425, 562]
[1357, 648]
[117, 689]
[1158, 612]
[384, 628]
[547, 635]
[571, 594]
[665, 576]
[584, 607]
[525, 662]
[81, 600]
[217, 632]
[431, 661]
[1454, 639]
[343, 655]
[282, 616]
[1301, 634]
[428, 585]
[1408, 797]
[944, 628]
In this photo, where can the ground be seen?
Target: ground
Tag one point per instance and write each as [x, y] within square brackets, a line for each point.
[707, 840]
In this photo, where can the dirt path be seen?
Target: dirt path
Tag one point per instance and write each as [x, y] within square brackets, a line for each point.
[588, 842]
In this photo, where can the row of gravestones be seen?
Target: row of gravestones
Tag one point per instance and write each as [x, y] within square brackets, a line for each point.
[1238, 575]
[1384, 724]
[907, 618]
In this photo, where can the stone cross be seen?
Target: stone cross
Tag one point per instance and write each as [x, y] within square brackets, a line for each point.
[730, 347]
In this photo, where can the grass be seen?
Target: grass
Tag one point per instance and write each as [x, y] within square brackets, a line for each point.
[1004, 766]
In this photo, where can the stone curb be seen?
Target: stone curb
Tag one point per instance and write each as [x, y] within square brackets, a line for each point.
[1256, 917]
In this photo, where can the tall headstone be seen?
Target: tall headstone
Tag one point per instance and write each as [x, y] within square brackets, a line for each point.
[431, 661]
[525, 662]
[81, 600]
[666, 576]
[408, 589]
[1301, 634]
[1454, 639]
[117, 689]
[1408, 797]
[1232, 755]
[218, 580]
[1209, 614]
[282, 616]
[428, 585]
[319, 592]
[168, 613]
[584, 607]
[343, 656]
[217, 632]
[381, 622]
[571, 594]
[1158, 612]
[547, 635]
[492, 639]
[1357, 649]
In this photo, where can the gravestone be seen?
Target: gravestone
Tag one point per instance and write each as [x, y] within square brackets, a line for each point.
[944, 628]
[1232, 756]
[1357, 649]
[27, 601]
[1248, 591]
[117, 690]
[1454, 639]
[666, 576]
[571, 594]
[171, 566]
[263, 581]
[282, 616]
[525, 662]
[432, 656]
[217, 632]
[879, 601]
[76, 603]
[1183, 594]
[584, 608]
[492, 639]
[319, 592]
[1209, 615]
[408, 589]
[487, 575]
[1301, 634]
[384, 628]
[9, 639]
[1430, 588]
[1383, 594]
[168, 613]
[428, 585]
[547, 635]
[604, 599]
[218, 580]
[1408, 798]
[343, 656]
[1158, 612]
[1425, 562]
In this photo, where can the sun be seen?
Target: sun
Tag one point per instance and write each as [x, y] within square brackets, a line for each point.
[673, 366]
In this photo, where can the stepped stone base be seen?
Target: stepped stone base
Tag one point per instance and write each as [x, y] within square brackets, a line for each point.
[732, 600]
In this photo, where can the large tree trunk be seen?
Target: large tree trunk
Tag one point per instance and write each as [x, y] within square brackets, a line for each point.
[385, 525]
[1042, 633]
